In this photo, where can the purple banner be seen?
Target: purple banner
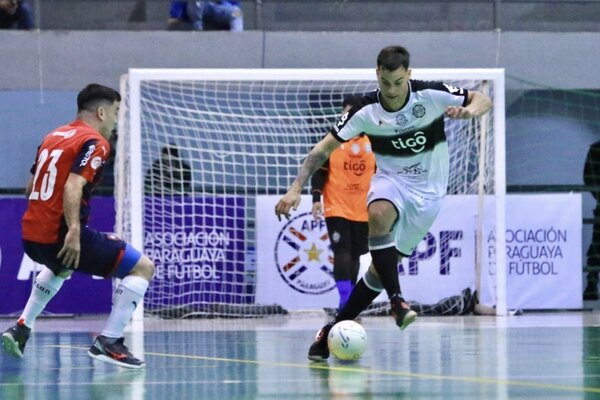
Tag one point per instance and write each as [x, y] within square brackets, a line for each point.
[81, 294]
[198, 245]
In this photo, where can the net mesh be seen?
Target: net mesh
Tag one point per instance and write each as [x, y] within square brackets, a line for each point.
[209, 147]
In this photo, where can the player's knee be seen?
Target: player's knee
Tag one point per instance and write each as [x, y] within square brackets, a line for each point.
[382, 216]
[144, 268]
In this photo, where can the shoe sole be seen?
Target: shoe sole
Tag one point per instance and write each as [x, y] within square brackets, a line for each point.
[106, 359]
[408, 319]
[11, 346]
[317, 358]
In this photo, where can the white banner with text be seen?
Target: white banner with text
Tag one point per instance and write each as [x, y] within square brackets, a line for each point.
[295, 270]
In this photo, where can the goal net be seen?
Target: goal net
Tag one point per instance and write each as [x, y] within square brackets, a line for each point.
[196, 148]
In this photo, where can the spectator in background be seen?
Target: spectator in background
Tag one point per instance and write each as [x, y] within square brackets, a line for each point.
[206, 15]
[15, 14]
[591, 177]
[169, 174]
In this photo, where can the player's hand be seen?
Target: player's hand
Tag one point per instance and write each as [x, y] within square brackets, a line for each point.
[291, 200]
[69, 254]
[456, 112]
[317, 210]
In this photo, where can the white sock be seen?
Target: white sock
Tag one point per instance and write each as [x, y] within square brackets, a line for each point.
[126, 297]
[45, 286]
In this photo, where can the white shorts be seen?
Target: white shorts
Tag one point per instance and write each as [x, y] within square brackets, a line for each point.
[416, 213]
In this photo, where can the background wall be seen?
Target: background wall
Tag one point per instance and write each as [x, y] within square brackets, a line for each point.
[42, 71]
[545, 46]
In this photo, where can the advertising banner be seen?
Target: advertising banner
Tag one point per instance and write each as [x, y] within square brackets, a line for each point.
[81, 294]
[198, 245]
[294, 260]
[543, 252]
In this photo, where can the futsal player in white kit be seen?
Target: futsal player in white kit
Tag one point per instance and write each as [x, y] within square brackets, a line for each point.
[404, 120]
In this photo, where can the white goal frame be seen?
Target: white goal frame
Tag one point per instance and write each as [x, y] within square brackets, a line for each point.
[135, 182]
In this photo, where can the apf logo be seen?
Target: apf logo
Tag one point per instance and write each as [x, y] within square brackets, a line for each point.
[303, 255]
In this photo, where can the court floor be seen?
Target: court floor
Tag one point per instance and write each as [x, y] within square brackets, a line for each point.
[533, 356]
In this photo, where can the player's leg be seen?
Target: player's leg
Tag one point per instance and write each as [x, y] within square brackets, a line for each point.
[360, 246]
[382, 245]
[108, 256]
[46, 284]
[418, 214]
[339, 231]
[109, 346]
[363, 294]
[366, 289]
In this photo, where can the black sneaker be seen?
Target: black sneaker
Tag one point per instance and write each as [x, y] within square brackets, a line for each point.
[113, 351]
[319, 350]
[402, 313]
[15, 338]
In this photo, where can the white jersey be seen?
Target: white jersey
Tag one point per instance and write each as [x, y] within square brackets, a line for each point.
[409, 143]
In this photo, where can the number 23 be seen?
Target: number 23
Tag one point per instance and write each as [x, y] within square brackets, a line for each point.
[49, 175]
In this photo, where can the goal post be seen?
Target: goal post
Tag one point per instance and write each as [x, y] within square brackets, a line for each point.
[197, 146]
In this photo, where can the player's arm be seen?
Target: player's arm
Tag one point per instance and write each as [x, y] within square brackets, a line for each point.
[317, 183]
[317, 156]
[477, 104]
[69, 254]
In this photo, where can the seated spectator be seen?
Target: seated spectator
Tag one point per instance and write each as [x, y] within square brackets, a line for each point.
[206, 15]
[169, 174]
[15, 14]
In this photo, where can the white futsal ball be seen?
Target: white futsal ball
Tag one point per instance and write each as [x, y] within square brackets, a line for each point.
[347, 340]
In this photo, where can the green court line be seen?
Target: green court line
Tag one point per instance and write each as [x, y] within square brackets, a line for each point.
[468, 379]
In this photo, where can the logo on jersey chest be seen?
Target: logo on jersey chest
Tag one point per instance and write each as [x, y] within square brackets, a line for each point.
[415, 143]
[357, 168]
[401, 120]
[419, 111]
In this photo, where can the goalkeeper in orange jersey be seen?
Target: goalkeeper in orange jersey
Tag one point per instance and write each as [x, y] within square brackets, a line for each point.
[344, 181]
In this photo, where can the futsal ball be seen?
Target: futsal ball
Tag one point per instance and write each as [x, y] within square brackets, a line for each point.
[347, 340]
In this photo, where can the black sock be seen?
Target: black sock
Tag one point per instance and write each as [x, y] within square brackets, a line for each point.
[354, 269]
[385, 262]
[359, 299]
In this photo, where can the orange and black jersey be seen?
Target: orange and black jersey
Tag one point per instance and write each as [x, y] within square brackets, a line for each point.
[75, 148]
[345, 179]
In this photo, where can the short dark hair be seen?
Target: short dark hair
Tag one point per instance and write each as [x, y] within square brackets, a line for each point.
[94, 93]
[393, 57]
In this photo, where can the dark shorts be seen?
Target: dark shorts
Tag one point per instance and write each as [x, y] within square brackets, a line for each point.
[101, 254]
[348, 236]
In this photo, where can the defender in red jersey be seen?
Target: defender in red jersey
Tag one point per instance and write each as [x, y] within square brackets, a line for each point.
[67, 166]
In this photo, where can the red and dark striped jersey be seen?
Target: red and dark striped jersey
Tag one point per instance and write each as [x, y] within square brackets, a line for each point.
[75, 148]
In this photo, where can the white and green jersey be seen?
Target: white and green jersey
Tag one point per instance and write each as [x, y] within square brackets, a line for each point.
[409, 143]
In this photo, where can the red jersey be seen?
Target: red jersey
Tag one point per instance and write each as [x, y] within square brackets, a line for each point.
[74, 148]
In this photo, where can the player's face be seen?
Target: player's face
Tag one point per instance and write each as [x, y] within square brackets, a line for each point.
[393, 86]
[109, 122]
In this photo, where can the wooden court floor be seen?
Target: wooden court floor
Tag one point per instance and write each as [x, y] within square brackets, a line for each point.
[533, 356]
